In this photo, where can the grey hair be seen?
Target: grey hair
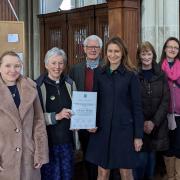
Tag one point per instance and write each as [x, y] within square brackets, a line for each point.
[95, 38]
[55, 52]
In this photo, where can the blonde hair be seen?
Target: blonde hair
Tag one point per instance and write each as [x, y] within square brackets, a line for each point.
[10, 53]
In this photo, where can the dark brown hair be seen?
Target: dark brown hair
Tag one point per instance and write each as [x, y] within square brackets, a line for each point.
[125, 61]
[163, 54]
[145, 46]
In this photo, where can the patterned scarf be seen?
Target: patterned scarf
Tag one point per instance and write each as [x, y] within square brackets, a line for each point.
[92, 64]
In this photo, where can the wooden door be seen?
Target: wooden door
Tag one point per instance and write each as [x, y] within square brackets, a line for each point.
[80, 25]
[101, 23]
[68, 29]
[53, 33]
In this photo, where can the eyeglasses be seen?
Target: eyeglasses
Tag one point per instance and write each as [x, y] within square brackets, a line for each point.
[92, 47]
[173, 48]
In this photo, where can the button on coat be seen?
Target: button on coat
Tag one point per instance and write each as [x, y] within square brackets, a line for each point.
[20, 151]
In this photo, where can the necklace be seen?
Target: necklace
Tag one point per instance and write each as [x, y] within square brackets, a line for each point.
[14, 94]
[13, 90]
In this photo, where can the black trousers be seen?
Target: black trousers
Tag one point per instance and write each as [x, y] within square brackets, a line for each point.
[174, 137]
[91, 169]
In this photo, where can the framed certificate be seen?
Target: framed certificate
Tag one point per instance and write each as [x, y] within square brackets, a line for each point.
[83, 110]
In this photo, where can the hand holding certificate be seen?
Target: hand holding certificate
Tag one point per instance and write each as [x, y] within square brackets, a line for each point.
[83, 110]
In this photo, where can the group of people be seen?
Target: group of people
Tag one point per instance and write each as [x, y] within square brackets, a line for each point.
[138, 113]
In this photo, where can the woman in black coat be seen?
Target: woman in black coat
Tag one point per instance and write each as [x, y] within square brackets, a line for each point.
[119, 114]
[155, 100]
[55, 89]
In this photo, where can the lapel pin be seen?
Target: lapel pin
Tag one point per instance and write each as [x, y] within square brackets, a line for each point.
[52, 98]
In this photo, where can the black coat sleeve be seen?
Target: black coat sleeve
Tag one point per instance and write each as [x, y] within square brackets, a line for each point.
[136, 106]
[161, 113]
[95, 89]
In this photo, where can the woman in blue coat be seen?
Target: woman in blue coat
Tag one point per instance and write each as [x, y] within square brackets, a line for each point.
[113, 144]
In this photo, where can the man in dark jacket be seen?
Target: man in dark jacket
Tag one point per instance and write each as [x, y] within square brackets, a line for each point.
[83, 74]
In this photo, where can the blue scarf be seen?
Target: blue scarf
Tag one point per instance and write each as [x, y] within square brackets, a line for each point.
[92, 64]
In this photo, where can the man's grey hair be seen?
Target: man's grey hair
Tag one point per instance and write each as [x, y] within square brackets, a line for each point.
[94, 38]
[55, 51]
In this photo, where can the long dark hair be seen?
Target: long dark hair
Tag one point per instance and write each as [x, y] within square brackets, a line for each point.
[163, 54]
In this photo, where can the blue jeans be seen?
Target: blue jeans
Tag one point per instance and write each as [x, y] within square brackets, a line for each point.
[145, 166]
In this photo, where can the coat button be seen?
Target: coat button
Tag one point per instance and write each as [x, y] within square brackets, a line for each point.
[17, 130]
[17, 149]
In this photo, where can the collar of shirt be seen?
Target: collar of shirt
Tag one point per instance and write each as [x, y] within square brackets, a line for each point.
[92, 64]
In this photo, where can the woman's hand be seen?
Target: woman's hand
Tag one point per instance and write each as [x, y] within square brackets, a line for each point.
[37, 165]
[148, 127]
[93, 130]
[138, 144]
[65, 113]
[1, 169]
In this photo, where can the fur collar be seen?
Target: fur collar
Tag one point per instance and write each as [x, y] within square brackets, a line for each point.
[28, 93]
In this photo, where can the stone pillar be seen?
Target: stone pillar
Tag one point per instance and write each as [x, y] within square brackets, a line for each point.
[160, 20]
[148, 20]
[171, 18]
[28, 13]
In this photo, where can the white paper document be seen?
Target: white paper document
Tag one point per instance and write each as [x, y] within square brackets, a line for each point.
[83, 110]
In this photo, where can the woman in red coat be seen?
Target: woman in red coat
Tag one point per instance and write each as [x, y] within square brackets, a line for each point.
[119, 114]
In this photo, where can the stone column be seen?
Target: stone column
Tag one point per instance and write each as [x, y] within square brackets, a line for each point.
[28, 11]
[148, 20]
[160, 20]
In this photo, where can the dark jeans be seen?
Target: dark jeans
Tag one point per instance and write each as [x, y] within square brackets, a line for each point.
[145, 166]
[174, 137]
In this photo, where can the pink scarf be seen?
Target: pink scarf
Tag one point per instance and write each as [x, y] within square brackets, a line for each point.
[172, 73]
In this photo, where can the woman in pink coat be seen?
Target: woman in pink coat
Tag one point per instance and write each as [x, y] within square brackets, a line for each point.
[23, 138]
[170, 64]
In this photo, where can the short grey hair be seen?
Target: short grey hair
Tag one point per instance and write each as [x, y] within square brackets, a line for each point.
[55, 51]
[95, 38]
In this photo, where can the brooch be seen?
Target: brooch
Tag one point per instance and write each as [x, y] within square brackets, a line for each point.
[52, 98]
